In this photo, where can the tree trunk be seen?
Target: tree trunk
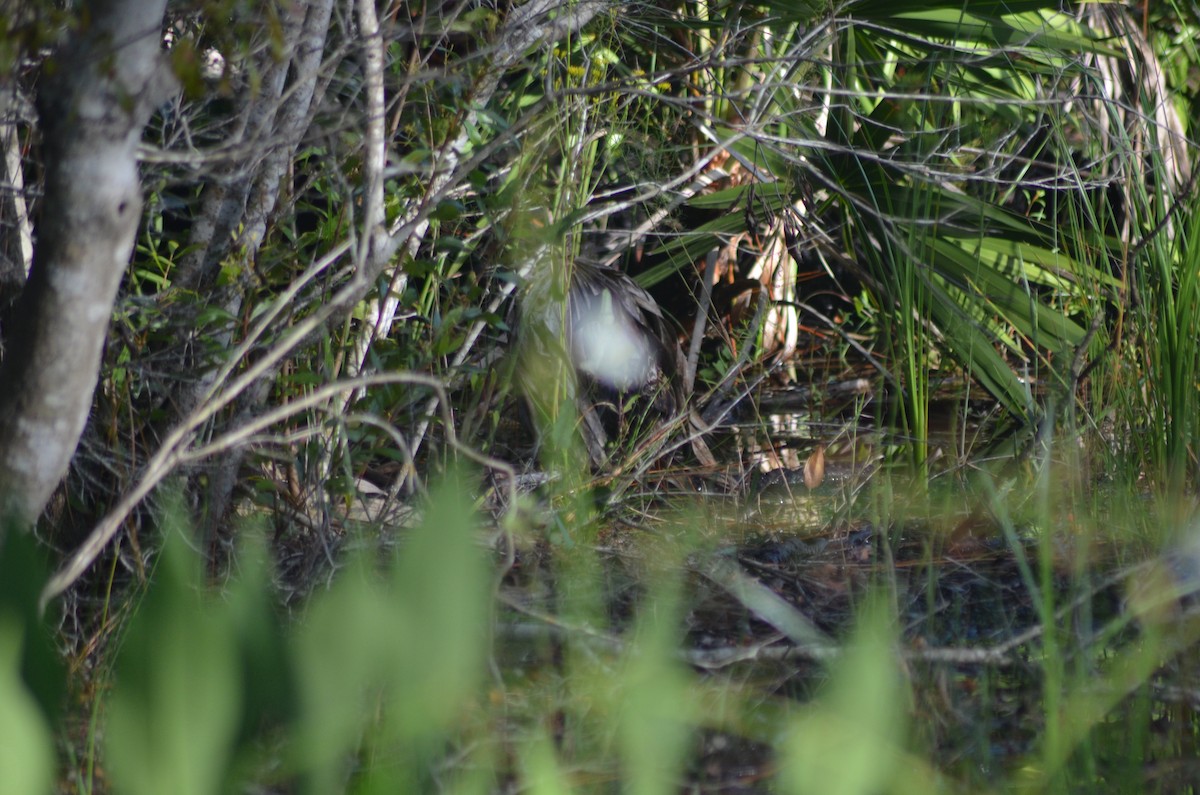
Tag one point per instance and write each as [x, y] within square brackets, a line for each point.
[97, 95]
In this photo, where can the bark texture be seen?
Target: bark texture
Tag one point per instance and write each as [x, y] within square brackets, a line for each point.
[97, 95]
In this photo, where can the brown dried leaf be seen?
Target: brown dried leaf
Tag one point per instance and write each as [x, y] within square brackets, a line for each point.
[814, 468]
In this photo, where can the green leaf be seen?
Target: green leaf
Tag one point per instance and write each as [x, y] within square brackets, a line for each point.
[850, 741]
[773, 195]
[27, 763]
[173, 716]
[342, 650]
[441, 588]
[976, 351]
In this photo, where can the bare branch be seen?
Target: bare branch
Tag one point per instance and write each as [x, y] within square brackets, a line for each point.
[177, 451]
[527, 25]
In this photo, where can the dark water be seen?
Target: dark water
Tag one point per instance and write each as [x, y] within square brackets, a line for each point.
[994, 621]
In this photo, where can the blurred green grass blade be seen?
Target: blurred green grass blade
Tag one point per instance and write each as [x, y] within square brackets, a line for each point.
[848, 741]
[23, 572]
[343, 647]
[657, 712]
[174, 710]
[541, 772]
[27, 760]
[392, 663]
[264, 650]
[441, 588]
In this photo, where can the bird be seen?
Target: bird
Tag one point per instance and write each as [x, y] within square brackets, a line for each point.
[589, 334]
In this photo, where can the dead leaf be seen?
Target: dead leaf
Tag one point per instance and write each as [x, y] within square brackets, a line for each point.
[814, 468]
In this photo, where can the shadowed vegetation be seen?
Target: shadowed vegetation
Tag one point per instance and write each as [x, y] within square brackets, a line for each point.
[646, 397]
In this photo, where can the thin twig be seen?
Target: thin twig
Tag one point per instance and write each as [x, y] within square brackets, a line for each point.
[175, 452]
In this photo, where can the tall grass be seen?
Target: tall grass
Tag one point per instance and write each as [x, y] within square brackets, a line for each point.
[1167, 276]
[586, 668]
[582, 659]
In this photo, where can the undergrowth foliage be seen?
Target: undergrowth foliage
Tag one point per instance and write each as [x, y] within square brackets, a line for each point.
[210, 687]
[271, 564]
